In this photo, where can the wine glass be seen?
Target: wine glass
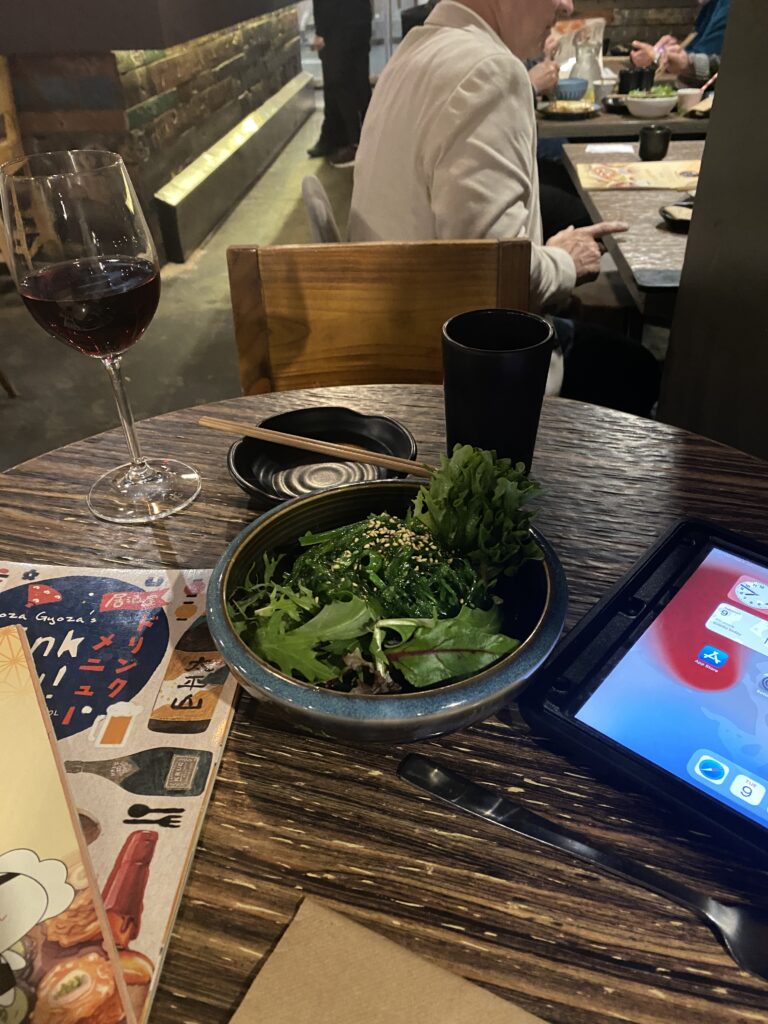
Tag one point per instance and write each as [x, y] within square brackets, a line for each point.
[85, 265]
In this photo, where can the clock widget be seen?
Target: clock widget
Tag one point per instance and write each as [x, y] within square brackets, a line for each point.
[751, 592]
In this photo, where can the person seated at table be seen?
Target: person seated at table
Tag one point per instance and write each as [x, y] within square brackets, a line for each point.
[560, 204]
[448, 150]
[700, 59]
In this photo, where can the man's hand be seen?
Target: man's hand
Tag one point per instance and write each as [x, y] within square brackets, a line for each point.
[318, 43]
[665, 41]
[544, 76]
[676, 60]
[551, 44]
[581, 245]
[643, 54]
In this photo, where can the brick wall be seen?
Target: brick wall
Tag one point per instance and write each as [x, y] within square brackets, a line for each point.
[642, 19]
[160, 109]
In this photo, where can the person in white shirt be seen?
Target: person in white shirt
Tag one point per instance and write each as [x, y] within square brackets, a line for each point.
[448, 150]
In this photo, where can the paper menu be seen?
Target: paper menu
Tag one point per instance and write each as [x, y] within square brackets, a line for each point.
[141, 704]
[57, 958]
[327, 969]
[676, 175]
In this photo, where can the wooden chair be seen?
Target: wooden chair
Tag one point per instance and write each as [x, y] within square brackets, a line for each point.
[364, 313]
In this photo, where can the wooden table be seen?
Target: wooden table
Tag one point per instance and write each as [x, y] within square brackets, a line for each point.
[649, 256]
[617, 127]
[294, 815]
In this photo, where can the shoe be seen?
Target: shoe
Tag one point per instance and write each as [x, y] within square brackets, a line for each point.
[321, 148]
[344, 157]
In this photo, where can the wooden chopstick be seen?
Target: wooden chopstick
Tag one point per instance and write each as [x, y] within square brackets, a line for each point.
[347, 452]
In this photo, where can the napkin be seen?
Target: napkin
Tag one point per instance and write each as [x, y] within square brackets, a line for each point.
[327, 969]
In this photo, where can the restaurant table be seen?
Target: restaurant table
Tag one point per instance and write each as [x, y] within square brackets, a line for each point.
[293, 815]
[616, 127]
[649, 256]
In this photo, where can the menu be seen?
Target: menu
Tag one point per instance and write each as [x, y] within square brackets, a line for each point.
[140, 702]
[58, 961]
[678, 175]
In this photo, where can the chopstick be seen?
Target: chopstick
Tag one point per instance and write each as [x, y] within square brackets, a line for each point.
[347, 452]
[711, 81]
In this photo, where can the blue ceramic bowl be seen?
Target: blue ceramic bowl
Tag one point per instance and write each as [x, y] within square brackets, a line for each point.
[571, 88]
[534, 605]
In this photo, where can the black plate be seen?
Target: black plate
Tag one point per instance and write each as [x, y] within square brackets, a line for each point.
[615, 105]
[276, 473]
[680, 226]
[569, 115]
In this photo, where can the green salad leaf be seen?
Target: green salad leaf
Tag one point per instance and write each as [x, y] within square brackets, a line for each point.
[474, 505]
[301, 649]
[655, 92]
[438, 650]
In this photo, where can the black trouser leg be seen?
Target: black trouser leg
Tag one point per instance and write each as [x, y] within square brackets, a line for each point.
[606, 368]
[345, 76]
[333, 133]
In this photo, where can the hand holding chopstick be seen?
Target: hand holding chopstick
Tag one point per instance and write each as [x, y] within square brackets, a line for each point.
[344, 452]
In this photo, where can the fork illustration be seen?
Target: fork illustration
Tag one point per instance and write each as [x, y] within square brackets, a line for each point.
[167, 821]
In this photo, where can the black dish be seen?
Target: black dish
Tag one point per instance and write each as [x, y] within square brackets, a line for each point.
[676, 223]
[615, 105]
[275, 473]
[568, 115]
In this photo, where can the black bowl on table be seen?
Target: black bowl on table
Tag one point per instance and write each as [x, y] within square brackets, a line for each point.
[275, 473]
[534, 604]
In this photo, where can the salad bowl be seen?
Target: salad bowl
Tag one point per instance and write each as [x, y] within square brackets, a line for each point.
[533, 604]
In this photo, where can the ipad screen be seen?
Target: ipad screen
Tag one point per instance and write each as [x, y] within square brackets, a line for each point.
[691, 695]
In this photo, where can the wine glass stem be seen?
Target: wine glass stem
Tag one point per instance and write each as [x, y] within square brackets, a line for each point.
[139, 467]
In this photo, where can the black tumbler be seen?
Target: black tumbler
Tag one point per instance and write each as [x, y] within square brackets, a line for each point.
[495, 365]
[654, 142]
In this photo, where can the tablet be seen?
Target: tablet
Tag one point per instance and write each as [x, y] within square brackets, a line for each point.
[665, 681]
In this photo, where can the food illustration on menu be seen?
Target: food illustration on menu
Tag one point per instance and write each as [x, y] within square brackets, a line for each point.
[58, 962]
[678, 175]
[140, 703]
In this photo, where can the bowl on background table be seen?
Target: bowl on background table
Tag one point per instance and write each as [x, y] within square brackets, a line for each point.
[651, 107]
[571, 88]
[534, 604]
[687, 98]
[275, 473]
[603, 89]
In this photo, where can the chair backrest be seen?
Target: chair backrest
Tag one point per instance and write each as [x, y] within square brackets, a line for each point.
[362, 313]
[322, 223]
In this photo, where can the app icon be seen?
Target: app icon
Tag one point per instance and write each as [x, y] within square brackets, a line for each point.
[712, 656]
[709, 768]
[748, 790]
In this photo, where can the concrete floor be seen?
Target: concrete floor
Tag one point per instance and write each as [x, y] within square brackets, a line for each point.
[188, 354]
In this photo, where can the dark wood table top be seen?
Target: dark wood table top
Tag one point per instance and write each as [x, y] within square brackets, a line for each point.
[649, 256]
[618, 126]
[294, 815]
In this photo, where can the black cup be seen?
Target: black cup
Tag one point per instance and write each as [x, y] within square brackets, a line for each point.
[495, 365]
[654, 142]
[629, 79]
[636, 78]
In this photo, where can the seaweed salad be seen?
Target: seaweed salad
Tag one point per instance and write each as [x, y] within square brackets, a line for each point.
[390, 604]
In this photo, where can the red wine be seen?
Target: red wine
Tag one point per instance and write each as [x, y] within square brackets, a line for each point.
[100, 306]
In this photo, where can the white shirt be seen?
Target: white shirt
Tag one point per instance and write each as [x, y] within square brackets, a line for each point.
[448, 148]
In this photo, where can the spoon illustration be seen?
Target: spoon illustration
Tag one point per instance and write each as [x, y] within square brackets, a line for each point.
[140, 810]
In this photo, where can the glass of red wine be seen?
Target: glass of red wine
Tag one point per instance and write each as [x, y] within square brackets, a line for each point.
[85, 265]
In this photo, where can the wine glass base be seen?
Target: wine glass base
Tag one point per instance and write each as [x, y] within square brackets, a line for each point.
[160, 488]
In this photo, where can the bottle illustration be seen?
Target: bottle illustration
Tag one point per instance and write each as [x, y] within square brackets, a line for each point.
[161, 771]
[192, 685]
[124, 892]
